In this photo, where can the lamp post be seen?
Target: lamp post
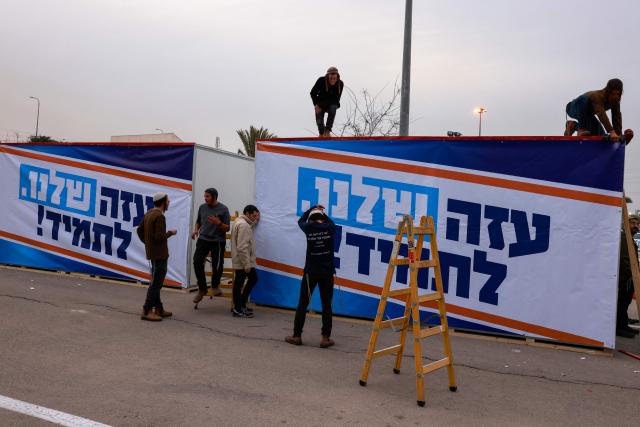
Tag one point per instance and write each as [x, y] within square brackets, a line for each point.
[406, 70]
[38, 115]
[480, 111]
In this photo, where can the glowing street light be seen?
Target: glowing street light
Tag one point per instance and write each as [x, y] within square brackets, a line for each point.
[480, 111]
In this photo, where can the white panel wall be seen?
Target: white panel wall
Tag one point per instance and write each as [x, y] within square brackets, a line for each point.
[231, 174]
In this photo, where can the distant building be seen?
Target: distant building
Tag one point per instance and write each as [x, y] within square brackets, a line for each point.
[147, 137]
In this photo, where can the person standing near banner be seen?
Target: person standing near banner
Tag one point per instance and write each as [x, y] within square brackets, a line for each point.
[153, 233]
[319, 270]
[625, 280]
[243, 258]
[325, 95]
[212, 224]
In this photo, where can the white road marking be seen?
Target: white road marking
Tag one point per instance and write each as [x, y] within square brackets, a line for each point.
[46, 414]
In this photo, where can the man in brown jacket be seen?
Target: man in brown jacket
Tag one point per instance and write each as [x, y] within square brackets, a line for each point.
[596, 103]
[243, 259]
[153, 233]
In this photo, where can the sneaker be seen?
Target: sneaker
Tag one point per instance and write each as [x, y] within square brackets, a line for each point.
[634, 321]
[570, 127]
[326, 342]
[247, 313]
[238, 313]
[164, 313]
[198, 297]
[216, 292]
[294, 340]
[150, 315]
[250, 310]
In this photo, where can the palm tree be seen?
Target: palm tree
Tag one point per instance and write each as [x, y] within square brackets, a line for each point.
[249, 138]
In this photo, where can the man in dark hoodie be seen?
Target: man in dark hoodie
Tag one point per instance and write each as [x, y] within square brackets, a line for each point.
[325, 95]
[595, 103]
[319, 271]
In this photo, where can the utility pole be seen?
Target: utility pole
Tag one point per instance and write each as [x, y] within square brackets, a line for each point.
[406, 70]
[480, 111]
[38, 116]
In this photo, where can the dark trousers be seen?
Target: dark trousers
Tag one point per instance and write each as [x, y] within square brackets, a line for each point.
[625, 296]
[581, 110]
[158, 273]
[241, 291]
[203, 247]
[309, 282]
[331, 115]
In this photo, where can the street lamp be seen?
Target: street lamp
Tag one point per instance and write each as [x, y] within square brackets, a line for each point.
[405, 89]
[480, 111]
[38, 116]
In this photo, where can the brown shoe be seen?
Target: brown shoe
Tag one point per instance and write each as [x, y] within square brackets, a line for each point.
[150, 315]
[198, 297]
[164, 313]
[216, 292]
[326, 342]
[294, 340]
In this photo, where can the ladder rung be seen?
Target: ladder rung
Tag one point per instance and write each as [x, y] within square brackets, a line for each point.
[399, 261]
[422, 230]
[389, 350]
[428, 263]
[435, 365]
[430, 297]
[428, 332]
[396, 292]
[391, 322]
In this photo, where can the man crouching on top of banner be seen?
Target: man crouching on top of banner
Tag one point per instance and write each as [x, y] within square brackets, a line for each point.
[319, 270]
[153, 233]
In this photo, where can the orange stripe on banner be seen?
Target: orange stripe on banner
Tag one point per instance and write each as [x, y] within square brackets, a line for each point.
[453, 309]
[447, 174]
[97, 168]
[78, 256]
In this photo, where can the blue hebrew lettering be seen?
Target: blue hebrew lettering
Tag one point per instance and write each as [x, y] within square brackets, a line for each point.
[337, 240]
[102, 230]
[497, 216]
[385, 247]
[127, 198]
[496, 272]
[81, 227]
[60, 190]
[472, 211]
[66, 220]
[125, 236]
[365, 245]
[55, 219]
[524, 244]
[363, 202]
[463, 266]
[110, 203]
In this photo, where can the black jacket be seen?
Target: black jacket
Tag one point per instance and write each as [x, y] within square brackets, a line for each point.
[324, 95]
[319, 260]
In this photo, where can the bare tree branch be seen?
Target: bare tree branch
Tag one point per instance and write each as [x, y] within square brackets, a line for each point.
[368, 116]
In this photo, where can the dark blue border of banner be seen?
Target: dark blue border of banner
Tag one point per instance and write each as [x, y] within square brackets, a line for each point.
[589, 163]
[175, 161]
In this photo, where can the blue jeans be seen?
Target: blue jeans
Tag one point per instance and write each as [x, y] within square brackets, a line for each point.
[331, 115]
[581, 110]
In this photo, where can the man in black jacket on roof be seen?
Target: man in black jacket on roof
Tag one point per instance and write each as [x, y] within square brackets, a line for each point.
[325, 95]
[319, 270]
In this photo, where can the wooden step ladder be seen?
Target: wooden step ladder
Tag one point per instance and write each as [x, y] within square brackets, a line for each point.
[412, 306]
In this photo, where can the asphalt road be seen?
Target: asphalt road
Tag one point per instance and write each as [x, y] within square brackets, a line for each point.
[78, 345]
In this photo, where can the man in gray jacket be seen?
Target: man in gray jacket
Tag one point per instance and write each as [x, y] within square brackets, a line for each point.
[243, 258]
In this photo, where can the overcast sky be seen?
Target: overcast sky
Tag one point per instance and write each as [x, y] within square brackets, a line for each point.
[204, 68]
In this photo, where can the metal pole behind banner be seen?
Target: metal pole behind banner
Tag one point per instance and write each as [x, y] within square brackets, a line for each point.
[406, 70]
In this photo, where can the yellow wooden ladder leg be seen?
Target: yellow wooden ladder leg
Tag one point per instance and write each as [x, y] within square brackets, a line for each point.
[403, 335]
[442, 309]
[364, 375]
